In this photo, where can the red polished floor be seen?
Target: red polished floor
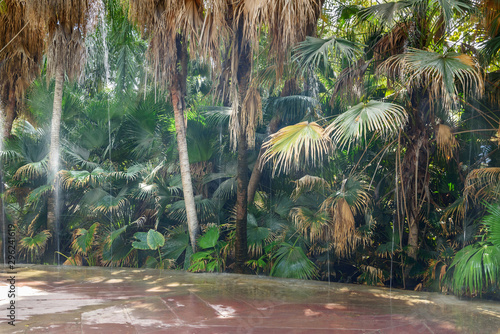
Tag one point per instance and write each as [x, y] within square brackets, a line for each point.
[104, 300]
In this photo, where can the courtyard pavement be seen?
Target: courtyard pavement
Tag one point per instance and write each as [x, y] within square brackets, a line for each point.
[67, 299]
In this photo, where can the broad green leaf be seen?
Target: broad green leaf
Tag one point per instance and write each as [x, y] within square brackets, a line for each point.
[210, 238]
[142, 241]
[155, 239]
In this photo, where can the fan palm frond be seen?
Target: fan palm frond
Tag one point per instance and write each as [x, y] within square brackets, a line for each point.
[257, 236]
[80, 179]
[475, 268]
[38, 193]
[292, 262]
[310, 183]
[314, 225]
[441, 72]
[35, 245]
[353, 125]
[446, 141]
[387, 12]
[483, 184]
[313, 50]
[131, 174]
[205, 209]
[297, 146]
[492, 222]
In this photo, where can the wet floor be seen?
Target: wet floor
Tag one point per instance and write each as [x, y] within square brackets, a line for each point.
[74, 300]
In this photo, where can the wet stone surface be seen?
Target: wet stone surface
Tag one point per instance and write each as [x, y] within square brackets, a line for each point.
[74, 300]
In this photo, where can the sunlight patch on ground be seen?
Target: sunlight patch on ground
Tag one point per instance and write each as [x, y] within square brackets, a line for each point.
[158, 289]
[115, 280]
[489, 312]
[410, 299]
[21, 291]
[223, 311]
[118, 315]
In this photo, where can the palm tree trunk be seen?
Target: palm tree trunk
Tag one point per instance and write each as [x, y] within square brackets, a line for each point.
[10, 114]
[241, 248]
[177, 92]
[243, 76]
[253, 184]
[55, 145]
[187, 185]
[415, 174]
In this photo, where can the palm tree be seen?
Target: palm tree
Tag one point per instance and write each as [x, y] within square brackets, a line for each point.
[66, 24]
[238, 26]
[168, 52]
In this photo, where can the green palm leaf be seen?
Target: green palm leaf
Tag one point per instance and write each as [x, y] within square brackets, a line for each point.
[439, 72]
[35, 245]
[355, 123]
[257, 236]
[292, 262]
[476, 268]
[387, 12]
[311, 223]
[312, 50]
[83, 239]
[296, 146]
[81, 179]
[492, 222]
[209, 238]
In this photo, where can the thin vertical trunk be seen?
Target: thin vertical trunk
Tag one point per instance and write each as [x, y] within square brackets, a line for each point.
[55, 145]
[243, 76]
[253, 184]
[10, 114]
[187, 185]
[241, 248]
[177, 92]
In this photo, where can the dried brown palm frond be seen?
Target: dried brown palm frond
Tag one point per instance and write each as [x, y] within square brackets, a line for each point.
[491, 16]
[344, 231]
[350, 82]
[249, 117]
[289, 21]
[317, 226]
[393, 42]
[215, 30]
[159, 21]
[310, 183]
[446, 141]
[440, 73]
[482, 184]
[21, 45]
[67, 23]
[354, 190]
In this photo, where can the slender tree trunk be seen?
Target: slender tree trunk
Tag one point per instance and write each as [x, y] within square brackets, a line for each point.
[55, 146]
[241, 248]
[10, 114]
[177, 92]
[253, 184]
[243, 76]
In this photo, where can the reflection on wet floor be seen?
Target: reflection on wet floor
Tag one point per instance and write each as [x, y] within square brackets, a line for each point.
[110, 300]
